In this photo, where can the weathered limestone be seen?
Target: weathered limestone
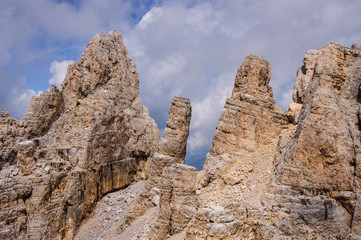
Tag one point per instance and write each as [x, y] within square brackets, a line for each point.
[248, 128]
[250, 117]
[281, 180]
[239, 167]
[269, 174]
[293, 111]
[324, 152]
[171, 150]
[43, 111]
[74, 145]
[25, 156]
[178, 202]
[9, 132]
[169, 195]
[172, 146]
[304, 76]
[213, 222]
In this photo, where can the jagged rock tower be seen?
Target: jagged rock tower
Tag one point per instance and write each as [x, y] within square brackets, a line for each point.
[271, 175]
[74, 145]
[268, 175]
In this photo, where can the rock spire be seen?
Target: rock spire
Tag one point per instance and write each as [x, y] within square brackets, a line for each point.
[268, 175]
[91, 137]
[172, 147]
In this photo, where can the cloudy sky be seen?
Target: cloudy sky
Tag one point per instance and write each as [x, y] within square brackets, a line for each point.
[185, 48]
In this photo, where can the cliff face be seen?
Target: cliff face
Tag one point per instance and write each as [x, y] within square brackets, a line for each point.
[268, 175]
[172, 147]
[320, 162]
[295, 178]
[74, 145]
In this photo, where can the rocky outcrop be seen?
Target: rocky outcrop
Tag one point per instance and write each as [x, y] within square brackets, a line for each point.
[281, 180]
[171, 150]
[319, 163]
[268, 175]
[178, 202]
[214, 222]
[247, 130]
[172, 147]
[91, 137]
[168, 201]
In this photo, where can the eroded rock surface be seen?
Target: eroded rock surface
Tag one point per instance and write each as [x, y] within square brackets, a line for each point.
[272, 175]
[319, 163]
[172, 146]
[281, 180]
[245, 141]
[171, 150]
[178, 202]
[75, 144]
[268, 175]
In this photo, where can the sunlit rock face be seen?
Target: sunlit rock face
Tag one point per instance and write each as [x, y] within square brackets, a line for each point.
[91, 137]
[287, 176]
[268, 175]
[172, 146]
[169, 180]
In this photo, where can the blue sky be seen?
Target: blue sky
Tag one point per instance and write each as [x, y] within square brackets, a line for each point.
[186, 48]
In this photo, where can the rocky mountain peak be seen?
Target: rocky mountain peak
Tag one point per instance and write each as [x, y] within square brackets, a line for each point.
[268, 175]
[76, 144]
[254, 72]
[104, 66]
[251, 83]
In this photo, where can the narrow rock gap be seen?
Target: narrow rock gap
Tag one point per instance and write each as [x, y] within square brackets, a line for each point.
[353, 213]
[354, 164]
[359, 121]
[359, 94]
[27, 196]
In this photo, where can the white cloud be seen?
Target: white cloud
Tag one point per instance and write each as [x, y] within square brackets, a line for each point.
[286, 99]
[58, 69]
[206, 113]
[21, 100]
[150, 17]
[16, 96]
[202, 18]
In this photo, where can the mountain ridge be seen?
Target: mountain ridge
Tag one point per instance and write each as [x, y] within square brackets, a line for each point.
[268, 175]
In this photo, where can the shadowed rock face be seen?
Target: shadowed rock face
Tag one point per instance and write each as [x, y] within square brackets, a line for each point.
[74, 145]
[168, 197]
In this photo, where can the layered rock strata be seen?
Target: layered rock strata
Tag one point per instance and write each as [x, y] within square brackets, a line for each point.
[268, 175]
[75, 144]
[247, 130]
[171, 149]
[170, 184]
[172, 146]
[178, 202]
[291, 176]
[317, 167]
